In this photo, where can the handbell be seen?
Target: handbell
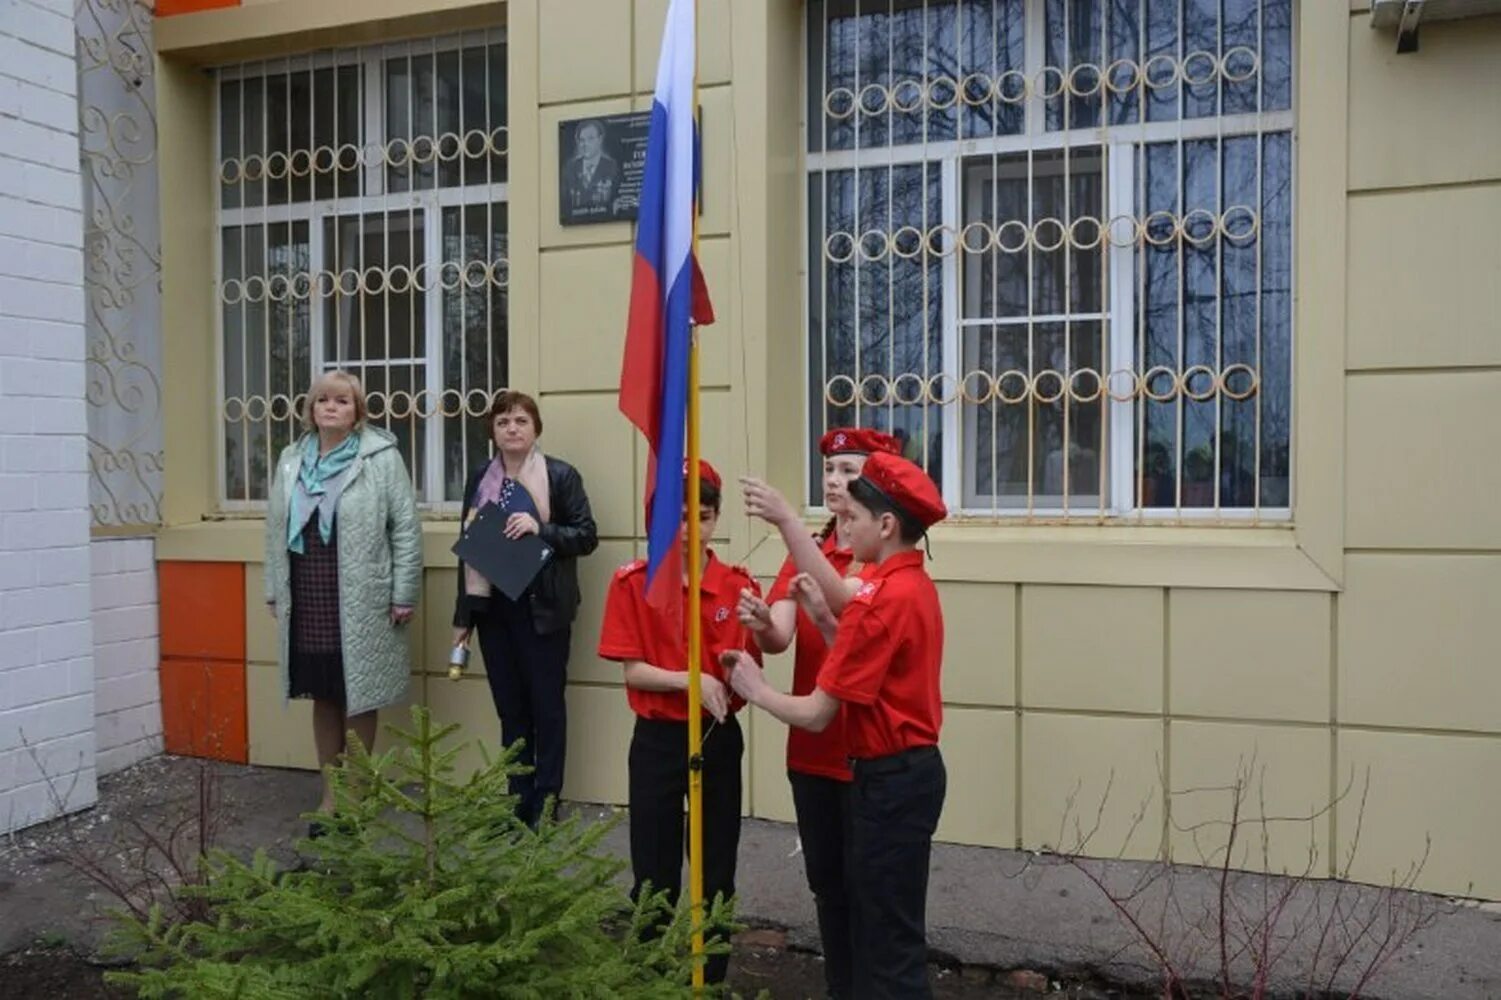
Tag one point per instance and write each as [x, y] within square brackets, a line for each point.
[458, 659]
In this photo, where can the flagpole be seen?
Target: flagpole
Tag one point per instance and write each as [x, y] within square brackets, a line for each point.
[695, 618]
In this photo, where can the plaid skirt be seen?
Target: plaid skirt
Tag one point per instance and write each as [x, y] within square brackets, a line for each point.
[316, 661]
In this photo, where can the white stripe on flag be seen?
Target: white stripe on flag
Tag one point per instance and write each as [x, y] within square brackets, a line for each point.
[675, 71]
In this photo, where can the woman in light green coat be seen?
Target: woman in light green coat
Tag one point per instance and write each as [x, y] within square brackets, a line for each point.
[343, 568]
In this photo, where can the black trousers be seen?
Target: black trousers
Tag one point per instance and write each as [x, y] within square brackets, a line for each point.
[528, 674]
[658, 800]
[823, 826]
[894, 807]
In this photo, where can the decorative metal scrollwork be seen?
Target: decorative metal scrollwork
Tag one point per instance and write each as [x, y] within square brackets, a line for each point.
[122, 260]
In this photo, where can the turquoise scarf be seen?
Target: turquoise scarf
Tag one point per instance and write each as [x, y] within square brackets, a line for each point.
[320, 481]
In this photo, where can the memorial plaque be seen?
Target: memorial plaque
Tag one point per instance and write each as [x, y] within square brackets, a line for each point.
[601, 162]
[600, 168]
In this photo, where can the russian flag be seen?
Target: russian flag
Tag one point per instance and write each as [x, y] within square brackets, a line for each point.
[667, 295]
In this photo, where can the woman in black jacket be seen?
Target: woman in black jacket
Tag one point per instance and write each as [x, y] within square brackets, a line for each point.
[525, 642]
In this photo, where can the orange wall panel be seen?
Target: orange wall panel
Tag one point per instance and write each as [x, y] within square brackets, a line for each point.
[202, 610]
[166, 8]
[203, 709]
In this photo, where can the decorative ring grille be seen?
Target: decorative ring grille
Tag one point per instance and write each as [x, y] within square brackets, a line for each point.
[1013, 387]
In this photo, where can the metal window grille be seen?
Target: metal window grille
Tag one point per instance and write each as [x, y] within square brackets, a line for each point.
[362, 225]
[1050, 248]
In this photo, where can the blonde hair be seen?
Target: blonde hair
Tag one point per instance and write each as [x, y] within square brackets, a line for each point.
[320, 386]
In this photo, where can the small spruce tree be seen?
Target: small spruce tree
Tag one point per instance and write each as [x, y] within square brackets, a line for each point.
[423, 886]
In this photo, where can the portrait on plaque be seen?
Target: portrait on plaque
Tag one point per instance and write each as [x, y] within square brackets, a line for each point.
[601, 161]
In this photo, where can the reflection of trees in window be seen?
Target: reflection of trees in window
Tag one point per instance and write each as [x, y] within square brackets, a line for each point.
[893, 84]
[322, 238]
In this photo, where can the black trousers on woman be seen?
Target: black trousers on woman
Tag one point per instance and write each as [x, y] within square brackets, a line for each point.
[894, 807]
[658, 797]
[823, 827]
[528, 674]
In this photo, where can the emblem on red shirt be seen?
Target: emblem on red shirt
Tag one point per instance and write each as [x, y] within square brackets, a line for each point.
[722, 615]
[867, 591]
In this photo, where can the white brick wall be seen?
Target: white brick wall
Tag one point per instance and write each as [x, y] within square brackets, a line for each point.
[127, 688]
[48, 702]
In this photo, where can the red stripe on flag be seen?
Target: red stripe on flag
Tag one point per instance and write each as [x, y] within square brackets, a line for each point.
[703, 309]
[641, 365]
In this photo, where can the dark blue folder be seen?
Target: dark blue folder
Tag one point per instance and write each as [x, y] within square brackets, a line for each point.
[509, 565]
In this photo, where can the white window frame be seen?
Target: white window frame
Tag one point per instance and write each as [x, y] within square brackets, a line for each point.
[1120, 144]
[427, 204]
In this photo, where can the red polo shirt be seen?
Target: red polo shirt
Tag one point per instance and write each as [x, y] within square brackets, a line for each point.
[885, 662]
[826, 753]
[633, 630]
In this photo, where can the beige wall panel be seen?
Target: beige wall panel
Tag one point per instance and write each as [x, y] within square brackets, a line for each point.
[979, 751]
[586, 294]
[1427, 117]
[714, 20]
[400, 714]
[719, 342]
[590, 433]
[979, 643]
[1424, 461]
[191, 436]
[1322, 154]
[1422, 787]
[423, 654]
[771, 794]
[584, 53]
[280, 731]
[1081, 770]
[1417, 642]
[260, 628]
[727, 433]
[1283, 773]
[1092, 648]
[599, 739]
[440, 586]
[1428, 310]
[595, 573]
[1250, 654]
[554, 233]
[467, 702]
[719, 160]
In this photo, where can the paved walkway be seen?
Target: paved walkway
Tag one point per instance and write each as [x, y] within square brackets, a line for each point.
[986, 907]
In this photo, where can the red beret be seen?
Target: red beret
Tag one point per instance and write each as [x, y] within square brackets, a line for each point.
[706, 472]
[906, 486]
[858, 441]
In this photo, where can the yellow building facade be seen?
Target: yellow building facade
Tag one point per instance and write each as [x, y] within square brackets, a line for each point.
[1094, 667]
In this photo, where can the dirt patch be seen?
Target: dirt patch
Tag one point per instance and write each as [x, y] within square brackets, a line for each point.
[44, 971]
[792, 974]
[784, 973]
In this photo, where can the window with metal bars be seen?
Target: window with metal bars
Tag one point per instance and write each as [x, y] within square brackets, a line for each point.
[1050, 249]
[362, 225]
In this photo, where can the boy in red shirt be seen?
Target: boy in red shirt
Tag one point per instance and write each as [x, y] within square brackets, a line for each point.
[883, 671]
[817, 763]
[655, 661]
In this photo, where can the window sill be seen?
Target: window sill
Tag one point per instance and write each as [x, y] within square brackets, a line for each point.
[1219, 558]
[1222, 558]
[243, 539]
